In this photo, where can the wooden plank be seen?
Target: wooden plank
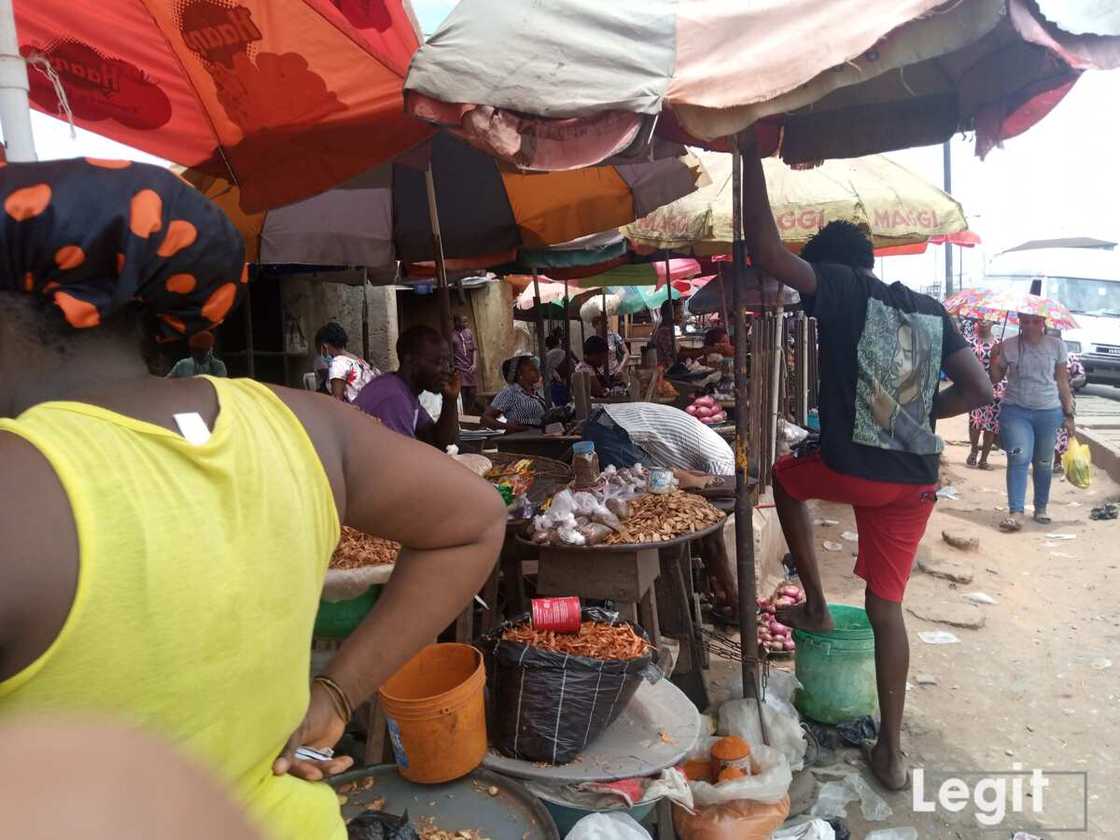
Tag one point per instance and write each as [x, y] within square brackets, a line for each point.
[616, 576]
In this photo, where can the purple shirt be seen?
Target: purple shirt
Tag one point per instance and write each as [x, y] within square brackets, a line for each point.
[390, 400]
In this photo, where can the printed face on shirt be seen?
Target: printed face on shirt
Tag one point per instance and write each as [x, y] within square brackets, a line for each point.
[897, 380]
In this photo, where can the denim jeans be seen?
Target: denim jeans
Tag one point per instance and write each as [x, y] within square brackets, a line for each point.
[1028, 435]
[612, 443]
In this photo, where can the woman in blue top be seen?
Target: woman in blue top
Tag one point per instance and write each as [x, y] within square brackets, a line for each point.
[1036, 402]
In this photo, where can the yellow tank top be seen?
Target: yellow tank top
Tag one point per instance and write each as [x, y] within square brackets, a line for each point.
[199, 579]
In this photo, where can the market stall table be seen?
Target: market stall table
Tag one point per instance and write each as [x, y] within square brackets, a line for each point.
[535, 443]
[620, 573]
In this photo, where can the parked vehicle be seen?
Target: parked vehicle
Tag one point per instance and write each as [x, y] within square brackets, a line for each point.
[1084, 279]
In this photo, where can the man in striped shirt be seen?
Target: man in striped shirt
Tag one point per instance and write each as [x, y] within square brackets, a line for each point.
[658, 436]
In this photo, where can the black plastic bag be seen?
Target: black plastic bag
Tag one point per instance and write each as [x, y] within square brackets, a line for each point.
[549, 706]
[379, 825]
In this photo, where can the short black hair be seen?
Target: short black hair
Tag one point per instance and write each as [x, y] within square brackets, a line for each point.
[553, 338]
[413, 340]
[333, 334]
[842, 243]
[668, 309]
[595, 344]
[512, 367]
[714, 335]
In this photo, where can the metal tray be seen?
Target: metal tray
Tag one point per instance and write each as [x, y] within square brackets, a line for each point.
[657, 729]
[514, 814]
[631, 547]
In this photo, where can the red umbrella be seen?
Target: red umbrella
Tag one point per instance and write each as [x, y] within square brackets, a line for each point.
[964, 239]
[283, 99]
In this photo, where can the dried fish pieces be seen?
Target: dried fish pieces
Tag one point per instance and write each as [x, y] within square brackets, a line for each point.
[356, 550]
[656, 518]
[595, 640]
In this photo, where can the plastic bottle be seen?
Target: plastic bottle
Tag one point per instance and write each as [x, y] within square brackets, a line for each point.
[585, 463]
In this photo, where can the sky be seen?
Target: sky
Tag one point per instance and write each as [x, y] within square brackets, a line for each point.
[1061, 178]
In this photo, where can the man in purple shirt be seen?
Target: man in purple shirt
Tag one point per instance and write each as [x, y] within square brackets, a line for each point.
[394, 398]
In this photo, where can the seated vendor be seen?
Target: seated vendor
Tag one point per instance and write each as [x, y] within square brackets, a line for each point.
[656, 435]
[717, 346]
[394, 399]
[596, 353]
[519, 407]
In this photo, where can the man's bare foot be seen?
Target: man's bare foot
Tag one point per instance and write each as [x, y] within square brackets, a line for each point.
[814, 618]
[889, 769]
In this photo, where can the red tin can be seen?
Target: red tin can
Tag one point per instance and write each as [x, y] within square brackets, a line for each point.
[560, 615]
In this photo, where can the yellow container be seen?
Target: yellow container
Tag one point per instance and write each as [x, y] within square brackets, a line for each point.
[436, 713]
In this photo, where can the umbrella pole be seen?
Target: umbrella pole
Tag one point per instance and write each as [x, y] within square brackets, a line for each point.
[15, 112]
[437, 251]
[605, 328]
[744, 507]
[541, 350]
[567, 323]
[723, 298]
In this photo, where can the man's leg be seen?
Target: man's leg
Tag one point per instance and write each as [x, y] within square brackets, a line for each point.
[892, 663]
[793, 515]
[888, 540]
[719, 564]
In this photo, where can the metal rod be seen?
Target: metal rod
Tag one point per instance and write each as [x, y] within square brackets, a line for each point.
[605, 329]
[774, 407]
[437, 251]
[744, 507]
[947, 167]
[538, 316]
[15, 111]
[247, 317]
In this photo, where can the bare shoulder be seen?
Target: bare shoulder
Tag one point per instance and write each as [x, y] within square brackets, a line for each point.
[38, 552]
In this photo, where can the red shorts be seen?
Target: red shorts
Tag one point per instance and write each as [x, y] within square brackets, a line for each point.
[891, 518]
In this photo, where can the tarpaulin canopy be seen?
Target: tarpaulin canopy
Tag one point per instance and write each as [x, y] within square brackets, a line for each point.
[488, 212]
[575, 81]
[643, 274]
[894, 204]
[284, 100]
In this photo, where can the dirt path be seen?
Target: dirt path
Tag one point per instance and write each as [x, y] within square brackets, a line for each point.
[1038, 685]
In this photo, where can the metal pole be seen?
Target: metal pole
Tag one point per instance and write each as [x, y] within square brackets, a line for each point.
[779, 360]
[437, 251]
[247, 317]
[744, 505]
[15, 112]
[538, 316]
[947, 167]
[605, 327]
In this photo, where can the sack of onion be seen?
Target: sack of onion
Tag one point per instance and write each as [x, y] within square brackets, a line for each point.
[556, 692]
[775, 638]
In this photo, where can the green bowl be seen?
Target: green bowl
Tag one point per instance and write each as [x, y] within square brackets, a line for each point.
[338, 619]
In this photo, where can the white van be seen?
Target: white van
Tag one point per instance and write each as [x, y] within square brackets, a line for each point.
[1087, 281]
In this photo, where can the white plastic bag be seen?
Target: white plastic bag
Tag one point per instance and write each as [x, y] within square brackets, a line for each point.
[740, 717]
[811, 830]
[347, 584]
[608, 826]
[770, 784]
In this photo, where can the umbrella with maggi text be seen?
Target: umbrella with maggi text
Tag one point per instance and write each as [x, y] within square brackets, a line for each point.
[283, 99]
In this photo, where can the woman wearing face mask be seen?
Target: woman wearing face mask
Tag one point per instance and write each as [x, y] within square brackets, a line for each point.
[520, 402]
[346, 374]
[1036, 402]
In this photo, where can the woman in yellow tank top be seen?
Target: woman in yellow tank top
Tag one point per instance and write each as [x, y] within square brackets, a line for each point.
[163, 542]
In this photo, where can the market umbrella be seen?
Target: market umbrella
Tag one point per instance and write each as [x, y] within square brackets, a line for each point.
[576, 81]
[963, 239]
[645, 274]
[1007, 305]
[285, 100]
[896, 205]
[487, 212]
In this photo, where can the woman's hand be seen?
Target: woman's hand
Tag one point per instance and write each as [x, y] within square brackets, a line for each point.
[1070, 424]
[321, 728]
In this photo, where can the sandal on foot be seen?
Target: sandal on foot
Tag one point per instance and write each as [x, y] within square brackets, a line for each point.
[971, 460]
[984, 465]
[1041, 518]
[1010, 525]
[865, 749]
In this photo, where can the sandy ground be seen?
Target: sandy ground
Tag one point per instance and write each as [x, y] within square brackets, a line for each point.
[1038, 685]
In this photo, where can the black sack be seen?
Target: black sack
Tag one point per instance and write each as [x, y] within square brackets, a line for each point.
[549, 706]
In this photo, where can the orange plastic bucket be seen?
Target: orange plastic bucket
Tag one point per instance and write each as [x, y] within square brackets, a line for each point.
[436, 713]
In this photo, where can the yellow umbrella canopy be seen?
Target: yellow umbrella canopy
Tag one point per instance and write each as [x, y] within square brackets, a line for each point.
[897, 206]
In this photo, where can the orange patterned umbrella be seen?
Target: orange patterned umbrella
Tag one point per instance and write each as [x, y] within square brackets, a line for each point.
[283, 99]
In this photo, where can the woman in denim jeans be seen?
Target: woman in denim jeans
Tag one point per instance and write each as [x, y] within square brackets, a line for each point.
[1037, 402]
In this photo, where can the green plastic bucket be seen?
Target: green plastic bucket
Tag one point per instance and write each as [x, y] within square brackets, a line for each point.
[338, 619]
[837, 669]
